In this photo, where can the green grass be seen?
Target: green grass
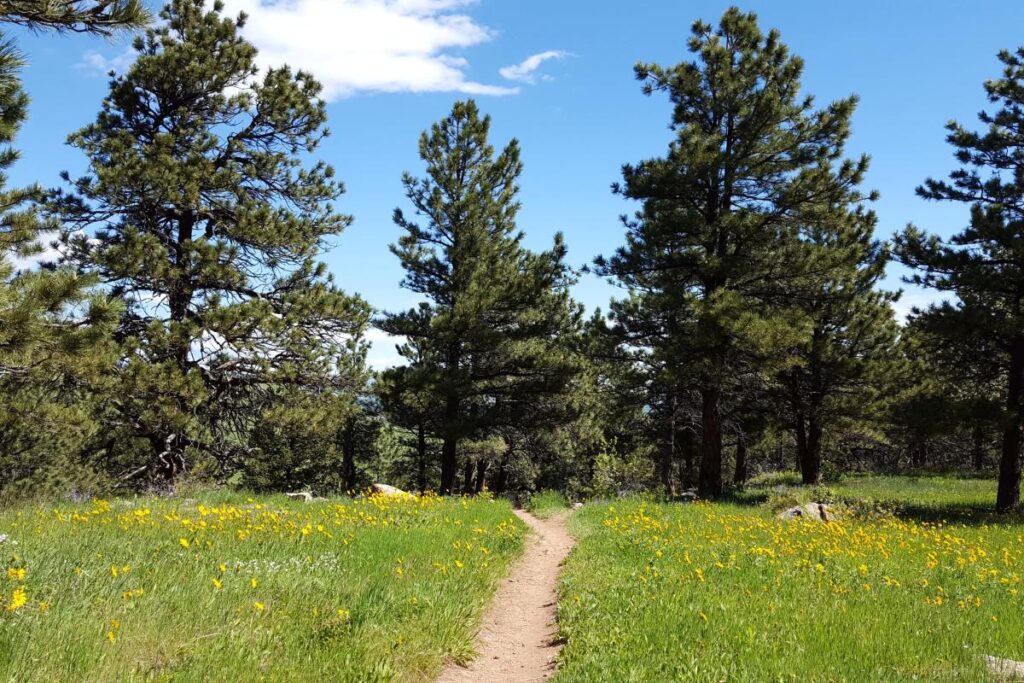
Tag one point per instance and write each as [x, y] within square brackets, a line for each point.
[544, 504]
[231, 588]
[922, 496]
[713, 592]
[937, 492]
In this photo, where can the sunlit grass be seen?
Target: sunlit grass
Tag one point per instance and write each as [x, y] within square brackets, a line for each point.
[546, 503]
[713, 592]
[234, 589]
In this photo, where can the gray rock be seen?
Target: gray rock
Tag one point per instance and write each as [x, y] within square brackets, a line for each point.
[818, 512]
[387, 490]
[577, 506]
[1004, 669]
[301, 495]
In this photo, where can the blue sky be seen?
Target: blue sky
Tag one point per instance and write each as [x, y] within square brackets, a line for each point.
[391, 67]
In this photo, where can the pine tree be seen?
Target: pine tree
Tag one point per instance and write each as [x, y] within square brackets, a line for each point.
[837, 372]
[983, 265]
[488, 332]
[751, 165]
[199, 213]
[54, 346]
[98, 17]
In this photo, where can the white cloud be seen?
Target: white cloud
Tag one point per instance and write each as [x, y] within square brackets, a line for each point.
[526, 70]
[99, 64]
[383, 354]
[370, 45]
[50, 253]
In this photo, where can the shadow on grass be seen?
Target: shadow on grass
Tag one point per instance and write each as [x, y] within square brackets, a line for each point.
[932, 512]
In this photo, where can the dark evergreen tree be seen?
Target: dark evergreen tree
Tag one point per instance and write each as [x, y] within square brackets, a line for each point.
[54, 336]
[750, 167]
[200, 213]
[983, 265]
[488, 333]
[837, 374]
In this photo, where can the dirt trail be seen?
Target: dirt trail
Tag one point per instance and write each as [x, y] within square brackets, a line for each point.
[516, 642]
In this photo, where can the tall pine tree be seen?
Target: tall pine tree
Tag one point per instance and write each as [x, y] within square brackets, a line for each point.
[983, 265]
[752, 161]
[200, 213]
[489, 332]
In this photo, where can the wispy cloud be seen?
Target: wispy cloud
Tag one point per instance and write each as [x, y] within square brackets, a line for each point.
[356, 46]
[526, 70]
[99, 64]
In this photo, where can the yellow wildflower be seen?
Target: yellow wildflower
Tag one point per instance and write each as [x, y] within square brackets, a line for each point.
[18, 600]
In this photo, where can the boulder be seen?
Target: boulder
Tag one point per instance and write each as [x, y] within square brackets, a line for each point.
[301, 495]
[818, 512]
[387, 490]
[577, 505]
[1004, 669]
[688, 494]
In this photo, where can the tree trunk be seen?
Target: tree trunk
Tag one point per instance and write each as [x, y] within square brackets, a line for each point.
[1008, 496]
[179, 296]
[979, 446]
[467, 477]
[800, 433]
[668, 453]
[449, 447]
[421, 454]
[481, 473]
[709, 483]
[810, 463]
[740, 474]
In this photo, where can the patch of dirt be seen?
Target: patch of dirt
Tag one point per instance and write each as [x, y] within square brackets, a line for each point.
[517, 641]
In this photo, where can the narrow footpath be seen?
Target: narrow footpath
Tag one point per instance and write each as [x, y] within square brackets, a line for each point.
[517, 642]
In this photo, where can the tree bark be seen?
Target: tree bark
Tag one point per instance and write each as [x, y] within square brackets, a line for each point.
[709, 484]
[810, 461]
[467, 477]
[501, 479]
[449, 447]
[481, 473]
[740, 474]
[1008, 495]
[979, 446]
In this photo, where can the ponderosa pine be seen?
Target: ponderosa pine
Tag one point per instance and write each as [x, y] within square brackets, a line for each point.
[983, 265]
[718, 235]
[487, 338]
[201, 213]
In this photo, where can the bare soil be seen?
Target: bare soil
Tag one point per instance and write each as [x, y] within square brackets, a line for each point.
[517, 640]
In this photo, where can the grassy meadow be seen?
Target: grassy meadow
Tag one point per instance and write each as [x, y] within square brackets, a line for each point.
[233, 588]
[726, 592]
